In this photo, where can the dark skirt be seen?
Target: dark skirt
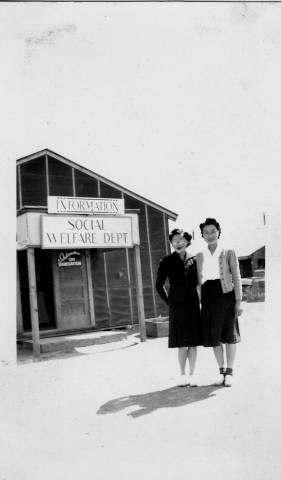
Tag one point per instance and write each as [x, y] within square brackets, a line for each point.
[220, 324]
[185, 327]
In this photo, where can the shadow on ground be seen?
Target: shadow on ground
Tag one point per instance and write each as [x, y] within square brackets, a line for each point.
[26, 356]
[146, 403]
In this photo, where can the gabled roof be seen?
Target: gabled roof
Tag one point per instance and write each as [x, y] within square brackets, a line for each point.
[250, 242]
[46, 151]
[244, 257]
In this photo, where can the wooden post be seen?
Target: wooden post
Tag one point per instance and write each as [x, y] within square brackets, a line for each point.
[33, 302]
[19, 305]
[140, 294]
[150, 262]
[106, 288]
[90, 287]
[130, 285]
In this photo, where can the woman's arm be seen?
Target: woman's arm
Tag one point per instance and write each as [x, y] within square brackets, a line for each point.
[196, 280]
[161, 279]
[236, 278]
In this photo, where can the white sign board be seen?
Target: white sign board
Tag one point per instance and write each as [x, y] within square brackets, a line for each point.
[59, 231]
[82, 205]
[69, 259]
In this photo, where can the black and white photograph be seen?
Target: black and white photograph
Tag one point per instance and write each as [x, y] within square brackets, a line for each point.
[140, 309]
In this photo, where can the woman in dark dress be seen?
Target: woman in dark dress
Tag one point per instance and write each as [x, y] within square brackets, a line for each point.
[221, 294]
[184, 309]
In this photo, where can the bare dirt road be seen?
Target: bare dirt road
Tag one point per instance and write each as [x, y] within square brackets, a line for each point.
[113, 412]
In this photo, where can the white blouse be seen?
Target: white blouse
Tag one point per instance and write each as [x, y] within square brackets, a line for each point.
[210, 267]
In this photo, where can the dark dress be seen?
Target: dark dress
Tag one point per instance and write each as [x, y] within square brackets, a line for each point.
[220, 324]
[185, 328]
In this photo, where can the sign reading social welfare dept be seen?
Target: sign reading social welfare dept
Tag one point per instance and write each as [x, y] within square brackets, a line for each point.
[60, 231]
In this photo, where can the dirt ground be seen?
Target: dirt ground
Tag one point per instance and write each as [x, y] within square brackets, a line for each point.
[114, 411]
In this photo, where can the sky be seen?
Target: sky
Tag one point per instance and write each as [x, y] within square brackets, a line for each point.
[178, 102]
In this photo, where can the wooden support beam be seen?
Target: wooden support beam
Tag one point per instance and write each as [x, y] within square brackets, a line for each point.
[90, 288]
[106, 288]
[47, 174]
[73, 182]
[166, 233]
[129, 285]
[150, 263]
[141, 314]
[19, 305]
[20, 186]
[33, 302]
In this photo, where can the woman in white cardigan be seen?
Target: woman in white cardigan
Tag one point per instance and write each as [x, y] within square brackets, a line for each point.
[221, 294]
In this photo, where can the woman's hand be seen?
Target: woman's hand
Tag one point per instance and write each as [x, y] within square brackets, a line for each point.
[238, 309]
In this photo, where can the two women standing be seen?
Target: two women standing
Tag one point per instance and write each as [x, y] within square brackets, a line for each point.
[214, 273]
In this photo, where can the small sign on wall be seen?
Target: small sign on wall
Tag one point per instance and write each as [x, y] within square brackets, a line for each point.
[82, 205]
[69, 259]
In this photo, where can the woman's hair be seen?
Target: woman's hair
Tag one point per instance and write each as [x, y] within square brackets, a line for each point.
[179, 231]
[210, 221]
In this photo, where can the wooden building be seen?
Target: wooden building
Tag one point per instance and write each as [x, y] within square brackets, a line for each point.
[98, 290]
[252, 264]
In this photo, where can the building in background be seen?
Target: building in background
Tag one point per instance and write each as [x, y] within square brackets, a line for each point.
[253, 264]
[93, 288]
[252, 268]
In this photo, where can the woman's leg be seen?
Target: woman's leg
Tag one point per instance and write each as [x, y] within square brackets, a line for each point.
[182, 356]
[218, 351]
[230, 350]
[192, 356]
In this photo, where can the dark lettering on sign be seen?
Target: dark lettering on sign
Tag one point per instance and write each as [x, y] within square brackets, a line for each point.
[51, 237]
[94, 205]
[115, 238]
[75, 237]
[71, 224]
[86, 224]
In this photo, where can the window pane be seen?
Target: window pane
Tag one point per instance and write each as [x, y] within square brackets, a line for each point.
[85, 185]
[60, 178]
[33, 181]
[106, 191]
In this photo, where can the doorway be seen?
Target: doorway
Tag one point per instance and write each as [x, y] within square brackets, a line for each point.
[44, 287]
[71, 290]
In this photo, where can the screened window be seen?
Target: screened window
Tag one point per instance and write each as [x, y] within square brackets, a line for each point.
[85, 185]
[33, 182]
[60, 178]
[106, 191]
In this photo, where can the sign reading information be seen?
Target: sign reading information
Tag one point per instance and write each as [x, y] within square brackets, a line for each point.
[82, 205]
[59, 231]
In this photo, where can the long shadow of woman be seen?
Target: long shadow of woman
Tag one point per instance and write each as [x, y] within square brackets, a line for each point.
[149, 402]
